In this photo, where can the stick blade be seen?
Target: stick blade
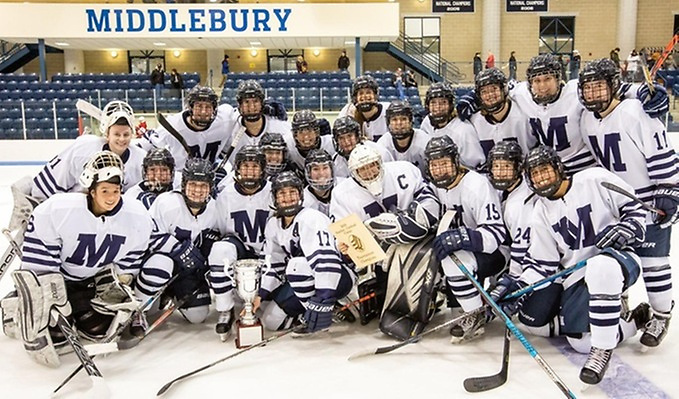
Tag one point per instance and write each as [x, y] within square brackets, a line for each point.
[362, 354]
[100, 389]
[482, 384]
[164, 389]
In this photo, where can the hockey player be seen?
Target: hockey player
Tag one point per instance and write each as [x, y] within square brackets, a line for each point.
[403, 142]
[346, 134]
[306, 276]
[205, 126]
[189, 220]
[275, 151]
[306, 136]
[319, 174]
[443, 120]
[158, 175]
[475, 233]
[365, 107]
[75, 246]
[500, 118]
[576, 219]
[244, 206]
[634, 146]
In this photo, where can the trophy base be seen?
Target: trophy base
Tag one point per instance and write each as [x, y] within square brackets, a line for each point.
[248, 335]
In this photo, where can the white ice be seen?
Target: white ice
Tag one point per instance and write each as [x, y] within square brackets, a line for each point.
[312, 368]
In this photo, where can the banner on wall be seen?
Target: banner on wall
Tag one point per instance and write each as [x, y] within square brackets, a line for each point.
[527, 6]
[452, 5]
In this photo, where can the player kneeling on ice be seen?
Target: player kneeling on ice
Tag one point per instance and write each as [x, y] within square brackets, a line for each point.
[475, 234]
[576, 219]
[399, 207]
[79, 251]
[188, 220]
[306, 275]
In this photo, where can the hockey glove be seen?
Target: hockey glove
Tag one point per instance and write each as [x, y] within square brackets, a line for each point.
[396, 228]
[667, 200]
[324, 127]
[467, 105]
[620, 235]
[456, 239]
[657, 104]
[505, 286]
[188, 256]
[207, 239]
[274, 109]
[318, 314]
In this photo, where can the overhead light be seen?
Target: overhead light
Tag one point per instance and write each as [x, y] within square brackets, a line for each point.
[255, 43]
[158, 44]
[350, 42]
[316, 52]
[114, 54]
[253, 53]
[177, 53]
[61, 44]
[213, 1]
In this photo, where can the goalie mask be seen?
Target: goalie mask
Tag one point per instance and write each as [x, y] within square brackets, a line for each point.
[599, 82]
[158, 170]
[491, 89]
[197, 182]
[346, 134]
[399, 118]
[443, 161]
[364, 93]
[544, 171]
[116, 113]
[505, 164]
[104, 166]
[439, 101]
[365, 166]
[250, 164]
[250, 98]
[318, 170]
[287, 191]
[202, 102]
[275, 151]
[540, 71]
[305, 131]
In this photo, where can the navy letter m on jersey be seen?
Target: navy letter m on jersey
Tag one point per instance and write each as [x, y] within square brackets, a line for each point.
[247, 231]
[87, 253]
[577, 236]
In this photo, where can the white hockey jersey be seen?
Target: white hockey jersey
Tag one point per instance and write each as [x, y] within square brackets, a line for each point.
[563, 231]
[174, 217]
[464, 136]
[477, 206]
[517, 210]
[311, 201]
[374, 128]
[402, 184]
[244, 215]
[306, 236]
[62, 173]
[341, 164]
[515, 126]
[64, 236]
[557, 125]
[295, 157]
[633, 146]
[414, 154]
[270, 125]
[206, 144]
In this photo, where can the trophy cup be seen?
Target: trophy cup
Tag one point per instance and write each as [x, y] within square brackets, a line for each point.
[249, 330]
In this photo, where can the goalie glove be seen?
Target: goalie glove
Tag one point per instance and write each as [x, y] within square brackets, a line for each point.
[396, 228]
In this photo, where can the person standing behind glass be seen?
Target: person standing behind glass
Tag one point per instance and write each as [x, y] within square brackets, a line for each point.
[512, 66]
[343, 61]
[575, 65]
[177, 83]
[158, 79]
[225, 69]
[478, 64]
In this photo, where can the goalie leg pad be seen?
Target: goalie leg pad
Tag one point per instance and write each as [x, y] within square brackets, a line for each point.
[38, 295]
[411, 285]
[399, 326]
[373, 283]
[10, 320]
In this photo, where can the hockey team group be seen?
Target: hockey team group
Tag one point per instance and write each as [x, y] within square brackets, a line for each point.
[503, 188]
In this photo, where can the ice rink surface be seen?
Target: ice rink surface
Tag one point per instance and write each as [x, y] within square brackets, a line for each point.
[318, 367]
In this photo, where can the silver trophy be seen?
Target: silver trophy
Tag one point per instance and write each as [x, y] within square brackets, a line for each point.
[247, 274]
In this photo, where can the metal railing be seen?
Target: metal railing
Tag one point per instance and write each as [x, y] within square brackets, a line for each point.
[9, 49]
[429, 58]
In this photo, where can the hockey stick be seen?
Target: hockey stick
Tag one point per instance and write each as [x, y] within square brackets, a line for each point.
[232, 147]
[620, 190]
[88, 109]
[486, 383]
[545, 280]
[12, 250]
[512, 327]
[170, 129]
[665, 53]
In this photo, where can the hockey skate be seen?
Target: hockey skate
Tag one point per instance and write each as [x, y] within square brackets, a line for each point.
[595, 367]
[656, 328]
[223, 327]
[639, 315]
[469, 328]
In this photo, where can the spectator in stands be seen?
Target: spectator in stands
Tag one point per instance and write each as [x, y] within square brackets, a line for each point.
[574, 65]
[177, 83]
[397, 82]
[633, 66]
[478, 64]
[512, 66]
[158, 79]
[343, 61]
[563, 67]
[670, 65]
[490, 60]
[302, 66]
[410, 79]
[615, 56]
[225, 69]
